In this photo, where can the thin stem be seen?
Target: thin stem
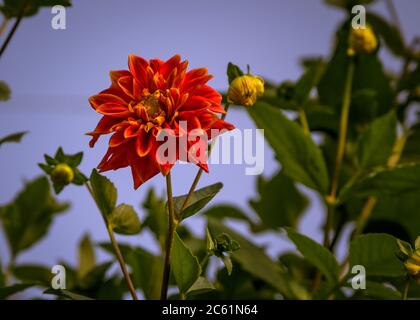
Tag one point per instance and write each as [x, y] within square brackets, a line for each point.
[173, 222]
[117, 250]
[406, 288]
[200, 171]
[304, 122]
[14, 28]
[341, 147]
[3, 25]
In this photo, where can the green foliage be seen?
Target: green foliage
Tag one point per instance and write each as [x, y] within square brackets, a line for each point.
[273, 211]
[317, 255]
[14, 137]
[378, 254]
[233, 71]
[124, 220]
[66, 294]
[198, 200]
[13, 8]
[185, 266]
[104, 192]
[375, 145]
[27, 218]
[5, 292]
[5, 92]
[299, 156]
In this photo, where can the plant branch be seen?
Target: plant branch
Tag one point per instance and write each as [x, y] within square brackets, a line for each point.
[304, 121]
[173, 222]
[406, 288]
[117, 250]
[14, 28]
[342, 136]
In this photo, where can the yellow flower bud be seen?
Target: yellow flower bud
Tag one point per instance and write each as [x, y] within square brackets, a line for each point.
[362, 40]
[62, 174]
[245, 90]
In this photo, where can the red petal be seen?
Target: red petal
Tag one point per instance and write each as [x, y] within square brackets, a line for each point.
[138, 67]
[114, 110]
[102, 98]
[144, 143]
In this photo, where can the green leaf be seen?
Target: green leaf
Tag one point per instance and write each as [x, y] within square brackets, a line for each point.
[2, 276]
[317, 255]
[389, 33]
[347, 4]
[308, 81]
[185, 266]
[4, 91]
[376, 143]
[12, 8]
[380, 291]
[299, 156]
[14, 137]
[223, 211]
[198, 200]
[377, 252]
[272, 207]
[202, 285]
[86, 256]
[28, 217]
[233, 71]
[147, 269]
[5, 292]
[63, 293]
[124, 220]
[256, 262]
[104, 192]
[31, 273]
[386, 181]
[411, 152]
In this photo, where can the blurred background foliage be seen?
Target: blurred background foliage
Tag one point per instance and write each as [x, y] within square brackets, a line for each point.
[225, 264]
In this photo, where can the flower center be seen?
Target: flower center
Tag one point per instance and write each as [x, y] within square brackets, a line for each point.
[149, 111]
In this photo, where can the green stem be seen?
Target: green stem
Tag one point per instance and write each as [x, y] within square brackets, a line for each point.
[117, 250]
[304, 122]
[14, 28]
[200, 171]
[341, 147]
[173, 223]
[406, 288]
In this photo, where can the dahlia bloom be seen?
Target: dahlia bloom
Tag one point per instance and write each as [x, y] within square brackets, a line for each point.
[151, 97]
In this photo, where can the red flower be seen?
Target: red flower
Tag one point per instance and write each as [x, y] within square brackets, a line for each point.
[150, 97]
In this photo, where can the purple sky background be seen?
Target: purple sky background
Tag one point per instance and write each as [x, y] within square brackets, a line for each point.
[52, 73]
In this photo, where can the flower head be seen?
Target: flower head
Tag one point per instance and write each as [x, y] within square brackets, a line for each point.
[62, 174]
[411, 258]
[362, 40]
[244, 90]
[152, 97]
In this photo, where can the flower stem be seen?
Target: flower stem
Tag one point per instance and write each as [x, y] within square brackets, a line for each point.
[341, 147]
[117, 251]
[304, 122]
[173, 223]
[200, 171]
[406, 288]
[14, 28]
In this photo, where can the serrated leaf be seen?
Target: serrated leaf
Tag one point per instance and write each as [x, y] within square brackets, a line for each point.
[198, 200]
[185, 266]
[300, 157]
[14, 137]
[387, 181]
[223, 211]
[124, 220]
[317, 255]
[377, 252]
[104, 192]
[375, 145]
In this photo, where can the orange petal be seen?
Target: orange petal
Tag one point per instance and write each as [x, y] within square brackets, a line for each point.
[138, 67]
[144, 143]
[114, 110]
